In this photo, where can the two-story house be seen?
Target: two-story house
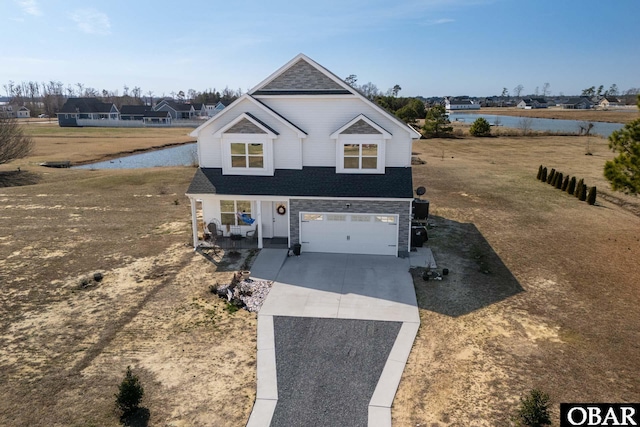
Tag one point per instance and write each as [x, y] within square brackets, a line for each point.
[310, 159]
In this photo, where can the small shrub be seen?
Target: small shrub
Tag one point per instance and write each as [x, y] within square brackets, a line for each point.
[592, 196]
[583, 193]
[534, 410]
[539, 176]
[130, 393]
[579, 188]
[552, 174]
[572, 185]
[559, 180]
[543, 178]
[565, 183]
[480, 127]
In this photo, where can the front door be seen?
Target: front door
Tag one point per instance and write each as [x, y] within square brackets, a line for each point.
[280, 219]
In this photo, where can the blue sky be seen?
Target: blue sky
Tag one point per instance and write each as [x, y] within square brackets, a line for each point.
[428, 47]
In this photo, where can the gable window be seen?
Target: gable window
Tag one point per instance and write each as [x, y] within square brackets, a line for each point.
[247, 155]
[360, 156]
[229, 209]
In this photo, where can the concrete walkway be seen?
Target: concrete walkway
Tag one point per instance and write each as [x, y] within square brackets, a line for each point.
[335, 286]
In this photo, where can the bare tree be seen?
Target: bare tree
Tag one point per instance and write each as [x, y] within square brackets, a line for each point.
[518, 90]
[524, 124]
[546, 89]
[13, 143]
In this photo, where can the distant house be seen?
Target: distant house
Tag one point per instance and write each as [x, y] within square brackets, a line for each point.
[15, 111]
[134, 112]
[200, 109]
[577, 104]
[178, 111]
[460, 104]
[531, 103]
[75, 110]
[157, 117]
[609, 101]
[212, 110]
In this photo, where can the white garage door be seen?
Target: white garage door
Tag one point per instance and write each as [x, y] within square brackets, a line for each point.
[373, 234]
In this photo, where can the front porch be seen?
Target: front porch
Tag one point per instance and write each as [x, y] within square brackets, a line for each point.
[240, 222]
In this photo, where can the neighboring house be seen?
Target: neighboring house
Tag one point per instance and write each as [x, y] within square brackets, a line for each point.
[23, 113]
[178, 110]
[577, 104]
[532, 103]
[157, 117]
[309, 159]
[212, 110]
[460, 104]
[20, 112]
[134, 112]
[75, 110]
[200, 109]
[609, 101]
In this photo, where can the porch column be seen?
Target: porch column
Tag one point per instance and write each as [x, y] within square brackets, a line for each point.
[194, 222]
[259, 219]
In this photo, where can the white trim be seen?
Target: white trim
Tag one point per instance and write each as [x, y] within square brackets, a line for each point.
[386, 135]
[277, 198]
[359, 139]
[267, 168]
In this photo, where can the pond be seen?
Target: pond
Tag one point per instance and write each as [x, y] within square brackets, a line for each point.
[552, 125]
[182, 155]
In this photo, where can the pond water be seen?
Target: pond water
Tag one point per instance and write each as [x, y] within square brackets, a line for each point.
[182, 155]
[552, 125]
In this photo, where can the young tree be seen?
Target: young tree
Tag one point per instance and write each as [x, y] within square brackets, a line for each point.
[534, 410]
[546, 89]
[436, 123]
[14, 144]
[480, 127]
[524, 124]
[623, 172]
[130, 393]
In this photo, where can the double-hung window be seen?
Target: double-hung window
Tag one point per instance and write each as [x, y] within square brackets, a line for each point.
[247, 155]
[229, 209]
[360, 156]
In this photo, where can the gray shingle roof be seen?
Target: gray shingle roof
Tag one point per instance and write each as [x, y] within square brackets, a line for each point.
[307, 182]
[86, 105]
[302, 78]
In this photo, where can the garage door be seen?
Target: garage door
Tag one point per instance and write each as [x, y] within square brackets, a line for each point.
[373, 234]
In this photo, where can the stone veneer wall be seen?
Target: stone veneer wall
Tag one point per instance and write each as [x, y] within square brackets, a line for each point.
[402, 209]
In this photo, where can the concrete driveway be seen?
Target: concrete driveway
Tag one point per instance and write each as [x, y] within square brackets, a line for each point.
[362, 290]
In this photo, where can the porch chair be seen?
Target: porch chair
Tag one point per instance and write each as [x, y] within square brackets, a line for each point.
[212, 232]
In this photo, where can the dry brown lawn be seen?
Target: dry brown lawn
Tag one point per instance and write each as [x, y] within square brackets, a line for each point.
[90, 144]
[543, 290]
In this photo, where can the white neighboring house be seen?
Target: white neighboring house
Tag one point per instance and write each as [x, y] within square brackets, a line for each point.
[16, 111]
[609, 102]
[309, 159]
[533, 103]
[460, 104]
[212, 109]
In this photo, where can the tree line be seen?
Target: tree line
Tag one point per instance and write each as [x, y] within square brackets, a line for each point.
[49, 97]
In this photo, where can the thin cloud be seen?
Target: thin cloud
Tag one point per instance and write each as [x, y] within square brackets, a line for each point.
[92, 21]
[30, 7]
[440, 21]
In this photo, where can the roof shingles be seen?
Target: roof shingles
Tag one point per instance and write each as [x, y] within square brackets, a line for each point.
[306, 182]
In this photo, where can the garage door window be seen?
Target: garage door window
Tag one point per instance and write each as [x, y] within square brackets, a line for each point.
[386, 219]
[312, 217]
[334, 217]
[361, 218]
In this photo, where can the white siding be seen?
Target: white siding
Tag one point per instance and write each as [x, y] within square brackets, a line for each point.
[320, 117]
[287, 146]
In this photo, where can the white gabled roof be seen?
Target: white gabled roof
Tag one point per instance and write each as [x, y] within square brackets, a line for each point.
[247, 97]
[246, 116]
[380, 129]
